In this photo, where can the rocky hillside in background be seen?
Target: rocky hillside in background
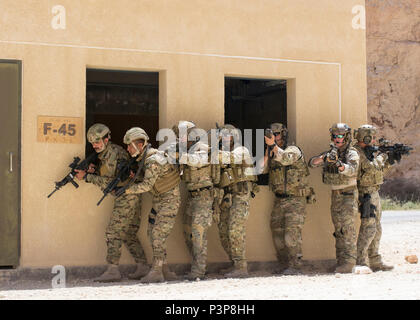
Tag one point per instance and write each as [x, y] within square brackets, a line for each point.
[393, 75]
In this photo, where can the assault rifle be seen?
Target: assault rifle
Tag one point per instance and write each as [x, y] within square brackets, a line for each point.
[123, 173]
[394, 151]
[75, 165]
[331, 161]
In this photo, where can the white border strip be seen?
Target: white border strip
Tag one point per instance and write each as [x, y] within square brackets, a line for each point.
[190, 54]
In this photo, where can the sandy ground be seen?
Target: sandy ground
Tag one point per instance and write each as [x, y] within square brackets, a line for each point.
[401, 237]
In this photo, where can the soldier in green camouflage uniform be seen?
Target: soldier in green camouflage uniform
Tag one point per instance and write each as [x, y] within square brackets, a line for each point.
[340, 168]
[125, 218]
[161, 178]
[288, 180]
[237, 180]
[370, 178]
[199, 176]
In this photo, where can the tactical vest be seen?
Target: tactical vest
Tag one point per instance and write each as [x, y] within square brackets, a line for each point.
[368, 177]
[196, 178]
[331, 175]
[112, 154]
[290, 180]
[166, 182]
[235, 173]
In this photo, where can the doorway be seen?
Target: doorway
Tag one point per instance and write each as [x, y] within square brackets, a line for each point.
[10, 106]
[122, 100]
[255, 104]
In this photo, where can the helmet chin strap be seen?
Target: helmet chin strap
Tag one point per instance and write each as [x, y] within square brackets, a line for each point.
[137, 149]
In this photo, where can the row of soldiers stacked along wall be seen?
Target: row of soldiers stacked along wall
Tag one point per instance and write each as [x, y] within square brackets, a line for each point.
[220, 193]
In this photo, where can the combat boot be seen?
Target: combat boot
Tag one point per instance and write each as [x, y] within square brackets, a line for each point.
[381, 267]
[141, 270]
[294, 267]
[344, 268]
[292, 270]
[155, 274]
[168, 274]
[240, 270]
[111, 274]
[226, 270]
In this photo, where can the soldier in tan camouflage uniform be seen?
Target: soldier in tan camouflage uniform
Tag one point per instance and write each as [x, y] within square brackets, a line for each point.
[370, 178]
[340, 168]
[199, 176]
[125, 218]
[161, 178]
[288, 179]
[237, 180]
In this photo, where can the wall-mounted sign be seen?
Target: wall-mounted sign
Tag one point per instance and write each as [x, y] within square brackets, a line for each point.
[60, 129]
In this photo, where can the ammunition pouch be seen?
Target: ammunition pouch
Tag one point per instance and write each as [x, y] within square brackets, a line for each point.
[335, 178]
[235, 174]
[197, 192]
[366, 208]
[167, 182]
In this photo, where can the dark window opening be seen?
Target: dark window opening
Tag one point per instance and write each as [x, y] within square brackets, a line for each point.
[255, 104]
[122, 100]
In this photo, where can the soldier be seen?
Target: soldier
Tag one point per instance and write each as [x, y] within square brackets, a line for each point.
[124, 222]
[185, 128]
[237, 180]
[370, 178]
[199, 176]
[161, 178]
[340, 167]
[288, 179]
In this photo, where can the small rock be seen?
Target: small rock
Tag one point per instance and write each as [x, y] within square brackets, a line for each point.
[361, 270]
[412, 259]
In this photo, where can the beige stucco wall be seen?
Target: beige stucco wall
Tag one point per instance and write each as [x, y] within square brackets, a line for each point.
[193, 44]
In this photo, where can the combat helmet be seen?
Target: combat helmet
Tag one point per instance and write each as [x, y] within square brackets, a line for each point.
[134, 134]
[341, 129]
[280, 128]
[188, 125]
[365, 133]
[97, 132]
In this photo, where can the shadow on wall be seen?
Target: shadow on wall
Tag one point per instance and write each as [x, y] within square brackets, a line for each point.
[401, 189]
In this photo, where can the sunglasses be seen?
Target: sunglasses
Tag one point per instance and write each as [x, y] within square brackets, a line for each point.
[340, 136]
[277, 133]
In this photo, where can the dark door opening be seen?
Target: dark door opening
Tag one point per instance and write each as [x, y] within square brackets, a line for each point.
[122, 100]
[255, 104]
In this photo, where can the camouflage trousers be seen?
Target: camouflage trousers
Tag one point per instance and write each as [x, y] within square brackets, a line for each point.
[370, 235]
[162, 220]
[123, 227]
[197, 220]
[344, 209]
[232, 226]
[287, 220]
